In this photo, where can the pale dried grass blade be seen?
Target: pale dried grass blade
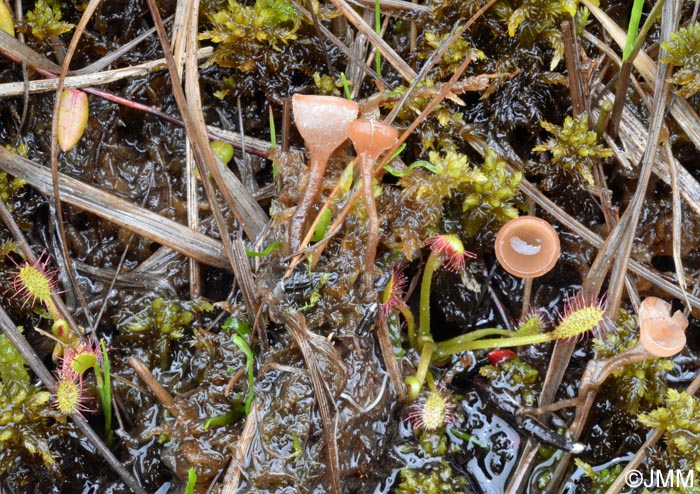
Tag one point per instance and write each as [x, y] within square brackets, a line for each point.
[76, 81]
[387, 51]
[123, 213]
[681, 111]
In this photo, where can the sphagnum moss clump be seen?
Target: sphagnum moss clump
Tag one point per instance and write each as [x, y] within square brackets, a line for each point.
[24, 412]
[574, 146]
[683, 51]
[680, 419]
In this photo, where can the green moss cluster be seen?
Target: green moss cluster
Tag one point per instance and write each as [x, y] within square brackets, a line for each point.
[437, 479]
[683, 51]
[161, 322]
[574, 147]
[516, 375]
[167, 317]
[9, 186]
[326, 85]
[601, 479]
[497, 200]
[24, 412]
[44, 21]
[533, 20]
[243, 31]
[680, 419]
[486, 194]
[460, 50]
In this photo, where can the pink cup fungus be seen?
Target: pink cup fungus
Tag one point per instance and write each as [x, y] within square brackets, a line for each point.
[323, 122]
[527, 247]
[661, 334]
[370, 138]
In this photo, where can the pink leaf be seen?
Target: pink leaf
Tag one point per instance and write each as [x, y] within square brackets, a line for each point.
[72, 118]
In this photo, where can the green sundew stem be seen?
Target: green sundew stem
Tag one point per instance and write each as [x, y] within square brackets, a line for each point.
[424, 363]
[481, 333]
[468, 437]
[378, 29]
[222, 420]
[573, 325]
[242, 344]
[402, 173]
[433, 264]
[633, 28]
[459, 344]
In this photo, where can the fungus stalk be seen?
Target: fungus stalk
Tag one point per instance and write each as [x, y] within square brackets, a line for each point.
[370, 139]
[323, 123]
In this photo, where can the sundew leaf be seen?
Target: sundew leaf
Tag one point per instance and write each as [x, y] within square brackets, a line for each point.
[83, 362]
[72, 118]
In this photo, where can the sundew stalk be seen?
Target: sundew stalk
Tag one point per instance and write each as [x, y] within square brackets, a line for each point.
[577, 320]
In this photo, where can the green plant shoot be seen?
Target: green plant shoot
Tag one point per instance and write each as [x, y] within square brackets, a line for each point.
[322, 226]
[104, 383]
[249, 358]
[268, 250]
[273, 133]
[346, 86]
[191, 481]
[633, 28]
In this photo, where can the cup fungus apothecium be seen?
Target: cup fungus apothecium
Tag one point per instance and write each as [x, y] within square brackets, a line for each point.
[323, 123]
[661, 334]
[370, 138]
[527, 247]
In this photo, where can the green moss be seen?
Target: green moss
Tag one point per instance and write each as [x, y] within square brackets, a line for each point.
[497, 200]
[167, 317]
[486, 194]
[44, 20]
[683, 51]
[24, 412]
[602, 479]
[9, 187]
[574, 147]
[13, 371]
[516, 375]
[435, 478]
[680, 419]
[161, 322]
[460, 50]
[241, 31]
[540, 19]
[326, 85]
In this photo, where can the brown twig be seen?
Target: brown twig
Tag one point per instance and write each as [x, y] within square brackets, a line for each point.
[573, 68]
